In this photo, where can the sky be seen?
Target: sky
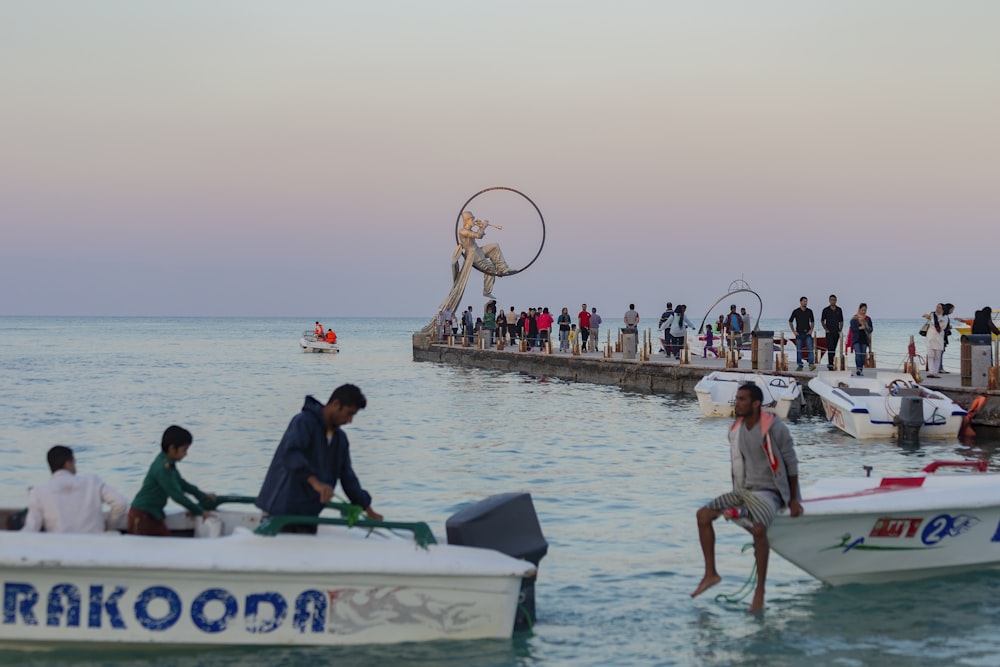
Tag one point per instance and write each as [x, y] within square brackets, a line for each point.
[310, 159]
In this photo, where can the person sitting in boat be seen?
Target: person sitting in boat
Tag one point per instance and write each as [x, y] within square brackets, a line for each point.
[311, 458]
[318, 331]
[765, 473]
[331, 336]
[163, 481]
[71, 503]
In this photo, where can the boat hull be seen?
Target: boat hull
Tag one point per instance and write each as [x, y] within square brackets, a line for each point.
[872, 412]
[716, 393]
[318, 346]
[867, 533]
[247, 589]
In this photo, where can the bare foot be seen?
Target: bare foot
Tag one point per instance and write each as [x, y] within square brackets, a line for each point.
[705, 584]
[757, 606]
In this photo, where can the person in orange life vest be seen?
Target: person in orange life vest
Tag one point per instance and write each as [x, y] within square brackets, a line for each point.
[765, 478]
[318, 330]
[331, 336]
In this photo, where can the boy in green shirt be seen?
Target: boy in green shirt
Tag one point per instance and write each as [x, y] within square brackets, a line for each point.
[164, 481]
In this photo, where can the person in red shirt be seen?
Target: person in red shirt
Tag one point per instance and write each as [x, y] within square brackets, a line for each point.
[544, 327]
[583, 319]
[331, 336]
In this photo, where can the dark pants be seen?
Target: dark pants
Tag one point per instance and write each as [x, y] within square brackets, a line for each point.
[584, 335]
[832, 339]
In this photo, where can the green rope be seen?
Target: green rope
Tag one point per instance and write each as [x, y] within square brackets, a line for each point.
[747, 586]
[527, 617]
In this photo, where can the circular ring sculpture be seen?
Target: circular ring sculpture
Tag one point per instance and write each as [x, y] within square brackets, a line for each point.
[458, 225]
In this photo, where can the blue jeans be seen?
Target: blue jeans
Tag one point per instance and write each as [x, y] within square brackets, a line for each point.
[803, 340]
[860, 352]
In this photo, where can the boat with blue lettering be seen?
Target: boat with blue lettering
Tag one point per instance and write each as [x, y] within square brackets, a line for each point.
[234, 579]
[882, 529]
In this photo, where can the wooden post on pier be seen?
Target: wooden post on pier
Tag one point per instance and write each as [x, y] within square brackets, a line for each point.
[911, 365]
[782, 364]
[732, 353]
[840, 361]
[685, 357]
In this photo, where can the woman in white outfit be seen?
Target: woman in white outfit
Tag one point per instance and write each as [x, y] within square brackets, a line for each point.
[935, 339]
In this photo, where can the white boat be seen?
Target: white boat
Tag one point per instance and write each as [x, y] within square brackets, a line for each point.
[236, 582]
[874, 530]
[869, 406]
[311, 343]
[717, 392]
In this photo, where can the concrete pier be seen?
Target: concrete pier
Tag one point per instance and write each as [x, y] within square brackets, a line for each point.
[658, 375]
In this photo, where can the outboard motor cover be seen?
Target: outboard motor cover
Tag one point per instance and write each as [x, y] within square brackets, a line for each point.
[911, 418]
[506, 523]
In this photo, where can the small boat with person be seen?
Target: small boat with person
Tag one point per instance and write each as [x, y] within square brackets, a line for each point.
[310, 342]
[232, 579]
[881, 529]
[875, 405]
[717, 393]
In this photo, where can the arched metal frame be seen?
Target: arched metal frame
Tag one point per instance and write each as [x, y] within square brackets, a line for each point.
[732, 291]
[458, 224]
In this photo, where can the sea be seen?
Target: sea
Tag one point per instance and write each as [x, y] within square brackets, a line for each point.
[615, 476]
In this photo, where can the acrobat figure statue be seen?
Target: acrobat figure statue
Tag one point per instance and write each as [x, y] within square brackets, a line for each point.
[487, 258]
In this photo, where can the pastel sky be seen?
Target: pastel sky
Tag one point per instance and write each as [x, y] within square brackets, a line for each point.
[310, 158]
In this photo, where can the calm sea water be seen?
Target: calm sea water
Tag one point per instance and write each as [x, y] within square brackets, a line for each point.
[616, 478]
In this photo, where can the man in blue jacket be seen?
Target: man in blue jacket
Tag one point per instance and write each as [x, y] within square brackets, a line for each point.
[311, 457]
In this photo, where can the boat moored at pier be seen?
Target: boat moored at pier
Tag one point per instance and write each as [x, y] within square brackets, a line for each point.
[870, 406]
[717, 392]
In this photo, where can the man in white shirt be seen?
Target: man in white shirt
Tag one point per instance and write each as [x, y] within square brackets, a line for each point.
[69, 503]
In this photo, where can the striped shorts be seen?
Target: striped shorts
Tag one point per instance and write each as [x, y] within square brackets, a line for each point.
[761, 504]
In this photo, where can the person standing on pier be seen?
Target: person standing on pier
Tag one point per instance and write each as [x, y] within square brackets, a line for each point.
[861, 337]
[544, 320]
[631, 318]
[531, 328]
[935, 339]
[583, 321]
[765, 473]
[832, 320]
[664, 325]
[595, 328]
[802, 322]
[678, 331]
[564, 320]
[734, 325]
[467, 324]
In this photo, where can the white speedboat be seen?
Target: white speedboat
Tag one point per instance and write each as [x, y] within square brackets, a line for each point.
[311, 343]
[869, 406]
[717, 392]
[874, 530]
[234, 581]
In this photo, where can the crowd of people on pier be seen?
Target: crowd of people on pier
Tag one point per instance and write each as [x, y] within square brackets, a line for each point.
[534, 326]
[537, 328]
